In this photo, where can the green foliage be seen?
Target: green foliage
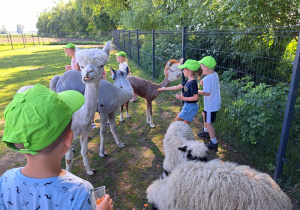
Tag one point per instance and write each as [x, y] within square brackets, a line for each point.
[254, 108]
[74, 16]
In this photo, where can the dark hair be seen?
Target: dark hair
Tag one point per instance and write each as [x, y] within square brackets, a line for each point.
[53, 145]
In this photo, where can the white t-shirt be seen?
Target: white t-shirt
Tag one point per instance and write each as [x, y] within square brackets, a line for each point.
[212, 103]
[122, 67]
[62, 192]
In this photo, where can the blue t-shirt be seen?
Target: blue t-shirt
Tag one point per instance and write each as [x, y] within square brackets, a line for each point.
[190, 89]
[62, 192]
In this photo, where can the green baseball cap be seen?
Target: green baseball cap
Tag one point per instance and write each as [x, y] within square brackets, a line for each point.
[37, 117]
[190, 64]
[208, 61]
[121, 53]
[70, 45]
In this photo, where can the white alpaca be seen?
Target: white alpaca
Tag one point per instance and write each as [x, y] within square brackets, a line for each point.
[194, 184]
[91, 62]
[110, 99]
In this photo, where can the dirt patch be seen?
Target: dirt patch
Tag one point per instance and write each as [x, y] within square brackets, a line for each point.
[11, 159]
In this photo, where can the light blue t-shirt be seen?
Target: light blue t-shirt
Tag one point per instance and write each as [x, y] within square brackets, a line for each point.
[62, 192]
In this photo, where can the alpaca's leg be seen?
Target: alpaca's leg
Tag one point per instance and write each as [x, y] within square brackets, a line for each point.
[149, 110]
[147, 115]
[127, 107]
[113, 129]
[103, 127]
[121, 113]
[69, 159]
[84, 149]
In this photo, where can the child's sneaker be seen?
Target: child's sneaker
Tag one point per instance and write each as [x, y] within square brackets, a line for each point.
[212, 146]
[203, 134]
[133, 99]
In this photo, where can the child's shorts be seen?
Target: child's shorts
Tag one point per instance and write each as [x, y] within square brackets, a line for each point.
[189, 111]
[210, 117]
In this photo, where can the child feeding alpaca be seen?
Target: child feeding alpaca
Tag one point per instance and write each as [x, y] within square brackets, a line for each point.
[190, 94]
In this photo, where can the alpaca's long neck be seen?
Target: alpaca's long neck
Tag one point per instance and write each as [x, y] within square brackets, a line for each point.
[87, 111]
[164, 83]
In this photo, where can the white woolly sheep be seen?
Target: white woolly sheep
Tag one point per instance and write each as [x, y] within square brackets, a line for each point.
[180, 134]
[194, 184]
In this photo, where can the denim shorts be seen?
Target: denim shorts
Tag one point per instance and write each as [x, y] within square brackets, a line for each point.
[189, 111]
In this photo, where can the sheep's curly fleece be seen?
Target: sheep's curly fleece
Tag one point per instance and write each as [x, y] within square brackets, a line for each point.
[216, 185]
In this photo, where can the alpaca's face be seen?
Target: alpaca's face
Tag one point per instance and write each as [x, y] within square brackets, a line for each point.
[174, 72]
[91, 62]
[121, 81]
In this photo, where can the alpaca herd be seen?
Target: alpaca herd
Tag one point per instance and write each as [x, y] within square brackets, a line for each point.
[189, 181]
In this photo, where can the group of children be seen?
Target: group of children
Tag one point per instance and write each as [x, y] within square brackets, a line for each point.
[211, 95]
[38, 124]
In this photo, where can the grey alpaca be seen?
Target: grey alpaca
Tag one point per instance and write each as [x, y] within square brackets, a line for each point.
[91, 62]
[109, 100]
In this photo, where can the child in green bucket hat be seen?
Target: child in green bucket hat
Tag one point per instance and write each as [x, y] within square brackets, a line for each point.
[38, 124]
[212, 100]
[191, 69]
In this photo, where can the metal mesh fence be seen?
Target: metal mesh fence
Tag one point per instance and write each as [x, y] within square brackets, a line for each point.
[255, 66]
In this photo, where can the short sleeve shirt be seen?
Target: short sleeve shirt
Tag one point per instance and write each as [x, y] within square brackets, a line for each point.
[190, 89]
[211, 85]
[74, 62]
[62, 192]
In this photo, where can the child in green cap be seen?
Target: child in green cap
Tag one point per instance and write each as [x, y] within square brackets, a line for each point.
[212, 100]
[38, 124]
[123, 63]
[70, 51]
[190, 94]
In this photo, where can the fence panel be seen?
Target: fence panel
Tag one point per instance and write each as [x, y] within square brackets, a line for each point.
[255, 67]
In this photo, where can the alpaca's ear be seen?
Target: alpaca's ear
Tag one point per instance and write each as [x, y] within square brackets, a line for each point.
[77, 49]
[106, 48]
[113, 73]
[169, 64]
[127, 70]
[181, 60]
[183, 149]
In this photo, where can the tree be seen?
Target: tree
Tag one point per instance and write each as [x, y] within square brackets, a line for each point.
[20, 28]
[3, 30]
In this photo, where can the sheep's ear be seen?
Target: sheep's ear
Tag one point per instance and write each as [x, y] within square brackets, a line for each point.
[77, 49]
[183, 149]
[113, 75]
[106, 48]
[127, 70]
[181, 60]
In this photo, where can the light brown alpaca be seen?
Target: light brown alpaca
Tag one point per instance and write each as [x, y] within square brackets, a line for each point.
[148, 90]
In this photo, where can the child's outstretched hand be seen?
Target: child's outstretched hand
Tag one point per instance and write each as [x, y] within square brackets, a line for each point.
[201, 82]
[106, 204]
[160, 89]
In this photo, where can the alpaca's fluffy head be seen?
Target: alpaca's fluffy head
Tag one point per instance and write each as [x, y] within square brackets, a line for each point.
[120, 78]
[172, 72]
[91, 62]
